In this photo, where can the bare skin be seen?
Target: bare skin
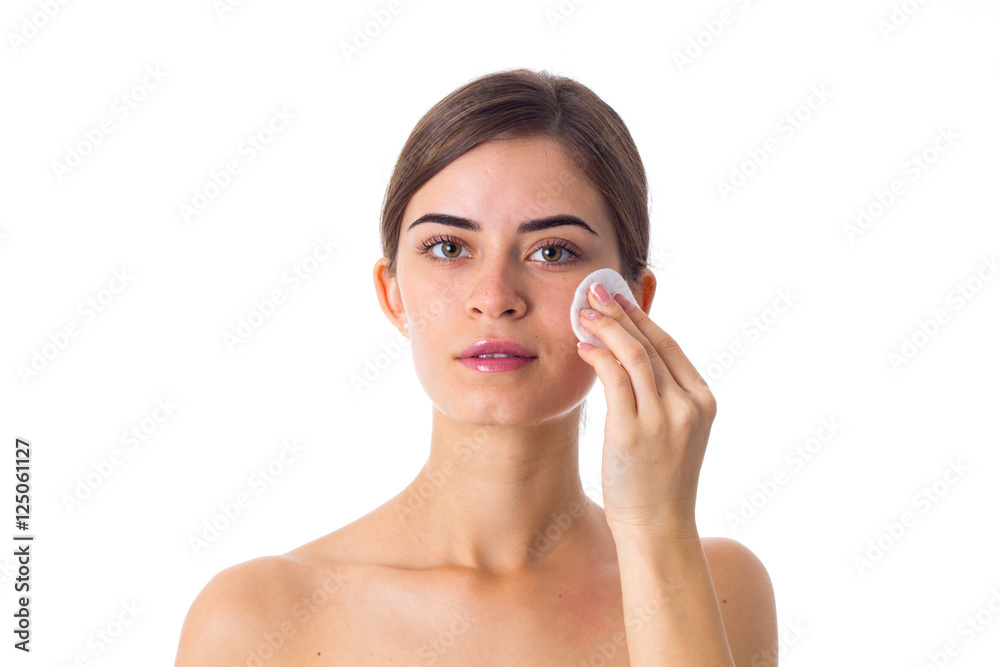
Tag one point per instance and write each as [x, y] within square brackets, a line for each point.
[493, 554]
[366, 595]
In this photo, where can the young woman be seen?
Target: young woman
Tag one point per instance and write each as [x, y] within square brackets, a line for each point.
[508, 193]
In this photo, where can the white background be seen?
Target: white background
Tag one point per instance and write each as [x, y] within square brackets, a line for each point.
[719, 262]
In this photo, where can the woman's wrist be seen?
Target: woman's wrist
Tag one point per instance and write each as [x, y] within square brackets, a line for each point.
[663, 534]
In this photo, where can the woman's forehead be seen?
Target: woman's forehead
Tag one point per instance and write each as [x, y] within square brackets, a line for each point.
[512, 180]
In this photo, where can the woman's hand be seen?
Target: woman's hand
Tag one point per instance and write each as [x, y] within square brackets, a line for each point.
[660, 413]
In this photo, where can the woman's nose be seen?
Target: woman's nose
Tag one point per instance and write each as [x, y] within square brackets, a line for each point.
[496, 290]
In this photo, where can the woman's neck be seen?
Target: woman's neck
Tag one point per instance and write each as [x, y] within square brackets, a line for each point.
[500, 499]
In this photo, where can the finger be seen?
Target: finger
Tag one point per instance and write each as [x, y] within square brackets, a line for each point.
[630, 353]
[661, 375]
[618, 391]
[681, 370]
[665, 383]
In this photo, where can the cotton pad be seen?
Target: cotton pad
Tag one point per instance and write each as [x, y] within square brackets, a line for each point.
[614, 283]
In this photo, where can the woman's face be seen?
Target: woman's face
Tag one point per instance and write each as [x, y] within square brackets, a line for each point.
[459, 285]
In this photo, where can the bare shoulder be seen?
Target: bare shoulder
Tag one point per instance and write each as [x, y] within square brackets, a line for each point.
[746, 598]
[268, 610]
[239, 611]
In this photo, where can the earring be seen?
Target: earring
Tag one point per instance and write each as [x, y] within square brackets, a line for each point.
[406, 326]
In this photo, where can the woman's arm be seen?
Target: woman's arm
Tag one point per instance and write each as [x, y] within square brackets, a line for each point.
[689, 604]
[660, 415]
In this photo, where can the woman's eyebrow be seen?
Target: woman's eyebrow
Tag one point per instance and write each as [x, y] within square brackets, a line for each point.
[525, 227]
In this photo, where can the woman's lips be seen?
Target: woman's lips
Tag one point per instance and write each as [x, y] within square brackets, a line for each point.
[496, 364]
[496, 346]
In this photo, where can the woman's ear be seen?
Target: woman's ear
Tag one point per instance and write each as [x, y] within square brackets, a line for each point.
[387, 290]
[647, 287]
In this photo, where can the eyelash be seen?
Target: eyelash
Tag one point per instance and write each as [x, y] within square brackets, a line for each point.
[557, 243]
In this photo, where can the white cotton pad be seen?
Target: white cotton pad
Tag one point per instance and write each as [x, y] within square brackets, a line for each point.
[614, 283]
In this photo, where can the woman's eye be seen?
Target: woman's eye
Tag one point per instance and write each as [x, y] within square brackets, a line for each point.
[554, 254]
[557, 252]
[451, 249]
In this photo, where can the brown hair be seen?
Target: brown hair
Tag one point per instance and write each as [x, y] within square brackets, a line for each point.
[522, 103]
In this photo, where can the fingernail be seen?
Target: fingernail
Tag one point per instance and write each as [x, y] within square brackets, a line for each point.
[603, 297]
[624, 302]
[590, 314]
